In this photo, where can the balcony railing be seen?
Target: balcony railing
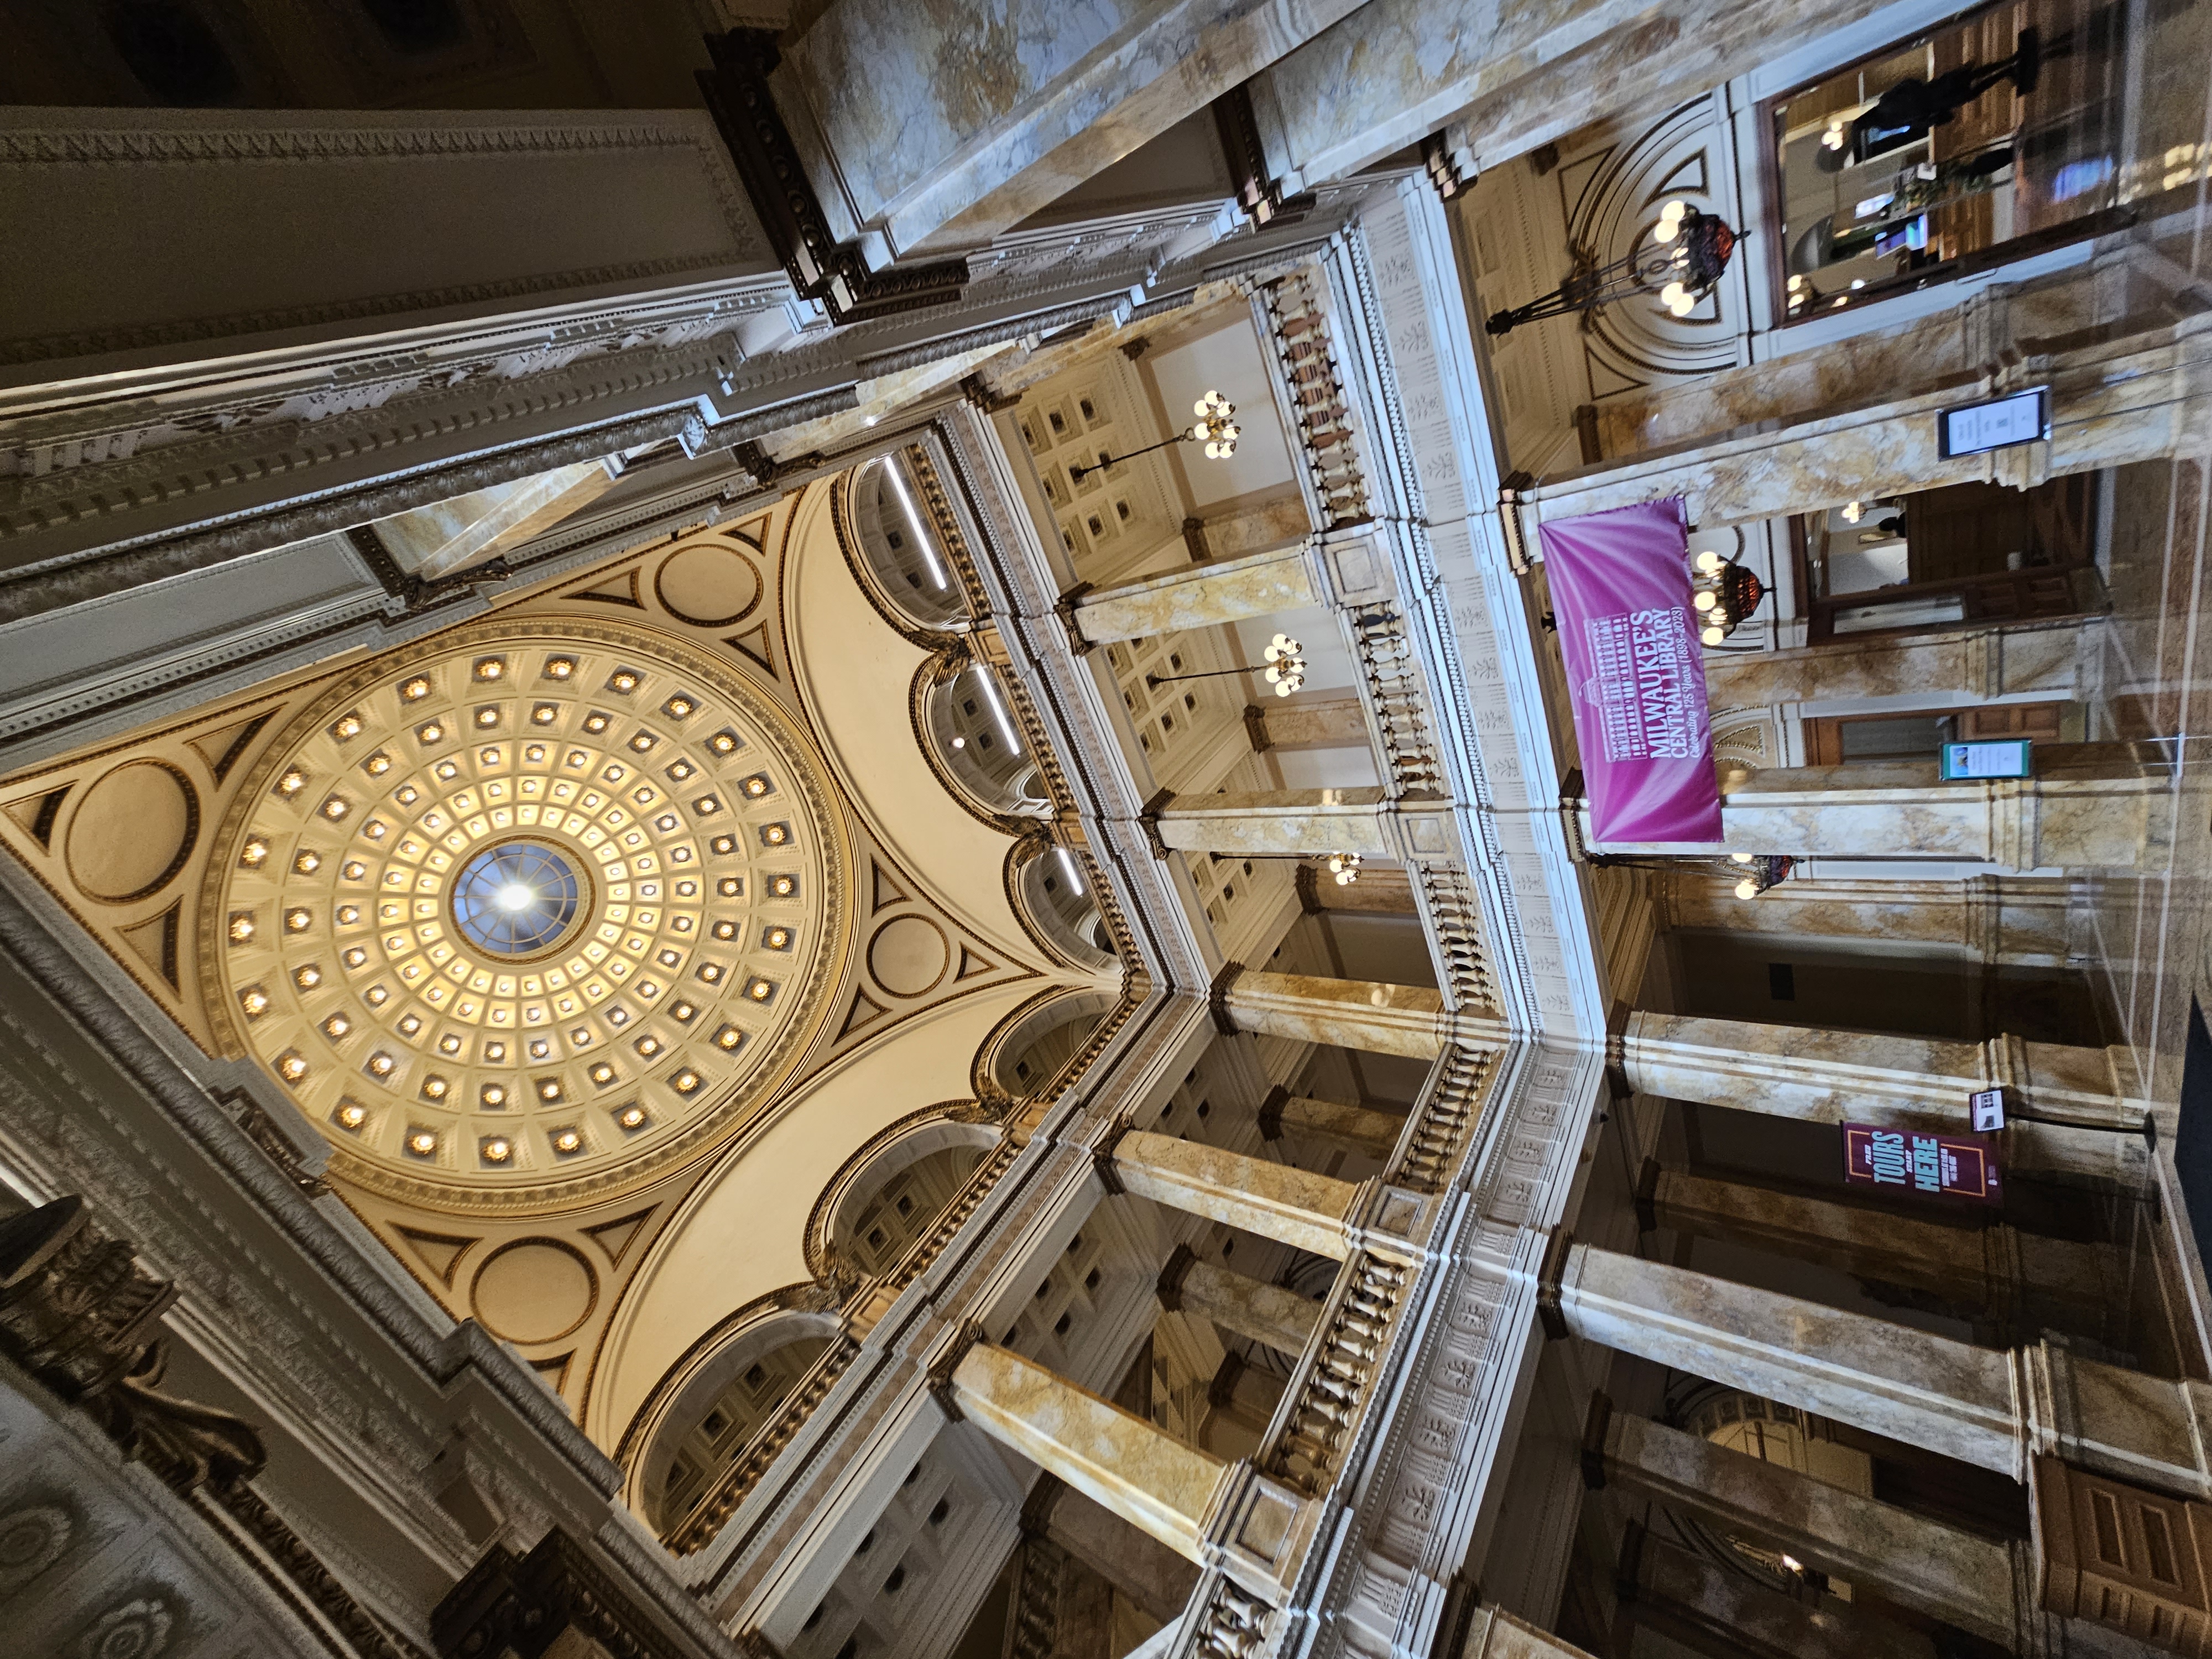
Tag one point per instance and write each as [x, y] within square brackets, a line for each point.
[1295, 323]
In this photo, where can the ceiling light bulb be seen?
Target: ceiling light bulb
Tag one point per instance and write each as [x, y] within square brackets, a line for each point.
[1740, 857]
[1746, 888]
[1712, 636]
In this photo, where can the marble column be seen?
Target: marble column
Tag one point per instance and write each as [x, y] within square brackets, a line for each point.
[1362, 1128]
[1266, 1313]
[1955, 1575]
[1151, 1574]
[1695, 1601]
[1943, 350]
[2015, 921]
[2048, 656]
[1835, 1077]
[933, 129]
[2090, 806]
[1203, 595]
[1346, 1013]
[2114, 400]
[448, 536]
[1218, 1514]
[1308, 723]
[2016, 1280]
[1279, 821]
[1494, 1633]
[1501, 80]
[1297, 1207]
[1993, 1408]
[1382, 890]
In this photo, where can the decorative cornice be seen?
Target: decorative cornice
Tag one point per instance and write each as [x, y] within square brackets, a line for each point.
[820, 267]
[521, 1606]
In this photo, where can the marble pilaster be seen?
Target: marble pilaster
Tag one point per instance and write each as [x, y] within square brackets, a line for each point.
[1381, 890]
[1204, 595]
[1347, 1013]
[2012, 1278]
[1308, 723]
[2049, 656]
[2117, 400]
[1990, 1408]
[2020, 921]
[1696, 1601]
[1266, 1313]
[1297, 1207]
[2090, 806]
[1834, 1077]
[1280, 821]
[1362, 1128]
[1955, 1575]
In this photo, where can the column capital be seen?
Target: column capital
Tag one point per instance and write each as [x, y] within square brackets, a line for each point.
[1065, 610]
[1217, 998]
[1169, 1289]
[1148, 815]
[952, 1345]
[1271, 1113]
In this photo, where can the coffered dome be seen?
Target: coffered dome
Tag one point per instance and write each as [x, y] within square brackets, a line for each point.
[529, 910]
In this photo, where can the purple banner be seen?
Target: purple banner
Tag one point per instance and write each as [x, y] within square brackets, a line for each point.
[1915, 1161]
[1621, 589]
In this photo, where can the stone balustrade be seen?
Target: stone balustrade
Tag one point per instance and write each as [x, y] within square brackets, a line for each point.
[1293, 317]
[1322, 1407]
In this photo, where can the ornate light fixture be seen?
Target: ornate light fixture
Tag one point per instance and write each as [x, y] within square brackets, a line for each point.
[1682, 263]
[1344, 868]
[1215, 428]
[1723, 594]
[1760, 872]
[1286, 668]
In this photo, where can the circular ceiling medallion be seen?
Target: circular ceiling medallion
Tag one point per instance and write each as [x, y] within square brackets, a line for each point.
[132, 831]
[528, 907]
[534, 1290]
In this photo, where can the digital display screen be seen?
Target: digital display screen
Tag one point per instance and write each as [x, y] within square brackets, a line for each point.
[1975, 428]
[1991, 758]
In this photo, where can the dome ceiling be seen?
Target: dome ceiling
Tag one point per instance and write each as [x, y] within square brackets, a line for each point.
[527, 910]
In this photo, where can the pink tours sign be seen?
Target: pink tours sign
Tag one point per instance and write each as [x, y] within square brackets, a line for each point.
[1621, 589]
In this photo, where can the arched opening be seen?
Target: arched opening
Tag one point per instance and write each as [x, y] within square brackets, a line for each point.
[730, 1399]
[1032, 1052]
[899, 550]
[1060, 900]
[898, 1192]
[970, 718]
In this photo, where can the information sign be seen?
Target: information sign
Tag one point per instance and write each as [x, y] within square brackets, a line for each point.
[1986, 1107]
[1917, 1161]
[1988, 757]
[1994, 423]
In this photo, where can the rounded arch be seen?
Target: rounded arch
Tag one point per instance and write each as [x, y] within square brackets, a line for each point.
[963, 718]
[896, 556]
[1031, 1049]
[710, 1403]
[1056, 893]
[886, 1195]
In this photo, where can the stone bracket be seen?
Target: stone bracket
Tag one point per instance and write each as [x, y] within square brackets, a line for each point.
[1150, 819]
[1271, 1113]
[1549, 1273]
[1596, 1426]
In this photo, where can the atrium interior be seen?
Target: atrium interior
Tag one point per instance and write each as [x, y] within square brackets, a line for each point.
[832, 830]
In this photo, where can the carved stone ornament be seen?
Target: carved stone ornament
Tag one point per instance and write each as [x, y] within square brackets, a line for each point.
[520, 1606]
[78, 1313]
